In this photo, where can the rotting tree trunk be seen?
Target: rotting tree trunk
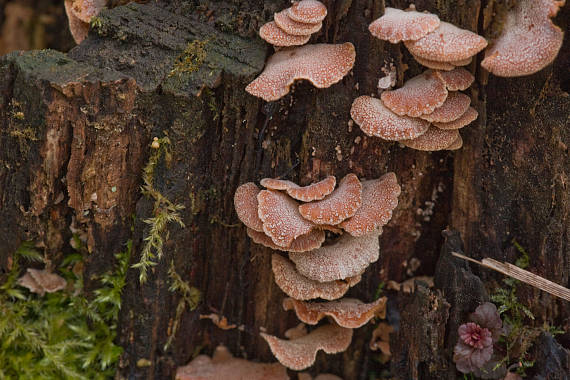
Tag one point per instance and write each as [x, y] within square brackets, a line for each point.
[75, 132]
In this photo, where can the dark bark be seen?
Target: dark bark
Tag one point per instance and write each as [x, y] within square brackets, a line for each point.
[87, 120]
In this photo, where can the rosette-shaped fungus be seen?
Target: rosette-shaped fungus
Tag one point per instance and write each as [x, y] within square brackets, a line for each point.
[529, 40]
[41, 281]
[79, 14]
[397, 25]
[300, 353]
[475, 343]
[321, 64]
[223, 365]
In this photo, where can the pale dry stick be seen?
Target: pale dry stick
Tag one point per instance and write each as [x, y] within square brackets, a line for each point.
[521, 275]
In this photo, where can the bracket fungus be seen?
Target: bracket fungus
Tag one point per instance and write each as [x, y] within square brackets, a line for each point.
[300, 353]
[302, 288]
[321, 64]
[458, 79]
[295, 28]
[529, 40]
[310, 11]
[434, 139]
[79, 14]
[40, 281]
[452, 109]
[347, 312]
[397, 25]
[342, 203]
[223, 365]
[246, 205]
[307, 242]
[276, 36]
[315, 191]
[466, 118]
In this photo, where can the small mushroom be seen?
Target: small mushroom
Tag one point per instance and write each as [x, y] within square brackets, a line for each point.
[347, 312]
[321, 64]
[457, 144]
[379, 198]
[336, 207]
[452, 109]
[246, 205]
[529, 40]
[374, 119]
[300, 353]
[467, 118]
[307, 11]
[78, 28]
[87, 9]
[446, 66]
[281, 219]
[315, 191]
[434, 139]
[348, 257]
[223, 365]
[276, 36]
[462, 62]
[307, 242]
[293, 27]
[300, 287]
[40, 281]
[397, 25]
[419, 95]
[447, 43]
[458, 79]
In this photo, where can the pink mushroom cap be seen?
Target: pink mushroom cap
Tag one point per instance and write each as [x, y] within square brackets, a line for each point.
[79, 29]
[457, 144]
[246, 205]
[276, 36]
[446, 66]
[87, 9]
[315, 191]
[321, 64]
[307, 11]
[397, 25]
[434, 139]
[374, 119]
[420, 95]
[307, 242]
[293, 27]
[452, 109]
[447, 43]
[457, 79]
[469, 116]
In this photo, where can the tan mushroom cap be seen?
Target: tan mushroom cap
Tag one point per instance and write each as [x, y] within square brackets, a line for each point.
[307, 11]
[321, 64]
[296, 332]
[245, 203]
[434, 139]
[397, 25]
[374, 119]
[467, 118]
[452, 109]
[276, 36]
[293, 27]
[529, 41]
[223, 365]
[447, 43]
[300, 353]
[457, 144]
[348, 257]
[462, 62]
[446, 66]
[458, 79]
[86, 9]
[277, 184]
[379, 198]
[336, 207]
[40, 281]
[281, 219]
[315, 191]
[347, 312]
[300, 287]
[419, 95]
[307, 242]
[79, 29]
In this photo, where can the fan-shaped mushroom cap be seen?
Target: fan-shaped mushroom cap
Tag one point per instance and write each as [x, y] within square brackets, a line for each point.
[462, 62]
[86, 9]
[293, 27]
[457, 144]
[348, 257]
[280, 216]
[447, 43]
[245, 203]
[307, 11]
[276, 36]
[300, 353]
[396, 25]
[458, 79]
[419, 95]
[336, 207]
[224, 366]
[377, 120]
[434, 64]
[453, 108]
[315, 191]
[300, 287]
[78, 28]
[321, 64]
[467, 118]
[379, 198]
[40, 281]
[307, 242]
[433, 139]
[347, 312]
[529, 41]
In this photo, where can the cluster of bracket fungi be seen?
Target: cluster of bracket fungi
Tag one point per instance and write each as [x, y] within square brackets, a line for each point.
[289, 217]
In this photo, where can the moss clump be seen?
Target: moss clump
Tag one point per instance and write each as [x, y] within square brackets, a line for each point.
[191, 58]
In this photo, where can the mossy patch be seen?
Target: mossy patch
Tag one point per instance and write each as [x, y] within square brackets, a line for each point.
[191, 58]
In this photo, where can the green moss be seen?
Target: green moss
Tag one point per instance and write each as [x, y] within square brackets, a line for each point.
[191, 58]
